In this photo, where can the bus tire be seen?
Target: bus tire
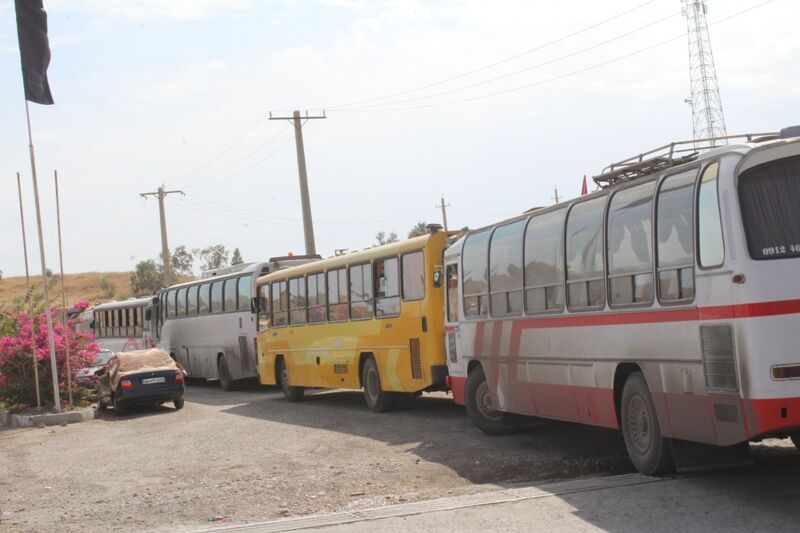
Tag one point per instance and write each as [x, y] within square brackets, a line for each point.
[795, 439]
[225, 381]
[292, 394]
[648, 450]
[478, 401]
[378, 400]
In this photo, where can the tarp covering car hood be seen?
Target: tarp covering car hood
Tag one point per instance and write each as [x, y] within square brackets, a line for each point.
[127, 363]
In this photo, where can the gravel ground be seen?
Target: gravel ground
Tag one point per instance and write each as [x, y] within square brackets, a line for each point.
[250, 456]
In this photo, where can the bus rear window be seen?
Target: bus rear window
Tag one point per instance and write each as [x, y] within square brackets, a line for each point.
[770, 200]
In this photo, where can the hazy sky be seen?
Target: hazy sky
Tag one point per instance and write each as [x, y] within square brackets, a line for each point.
[152, 91]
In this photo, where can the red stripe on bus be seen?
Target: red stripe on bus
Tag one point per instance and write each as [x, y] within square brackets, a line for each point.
[775, 414]
[751, 310]
[457, 386]
[479, 329]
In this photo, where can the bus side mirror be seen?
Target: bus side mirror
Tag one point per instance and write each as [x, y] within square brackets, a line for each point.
[437, 276]
[255, 304]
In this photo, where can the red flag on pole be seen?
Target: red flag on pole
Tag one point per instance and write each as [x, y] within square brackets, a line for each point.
[584, 188]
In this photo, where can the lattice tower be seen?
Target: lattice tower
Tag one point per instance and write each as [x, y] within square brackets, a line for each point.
[707, 118]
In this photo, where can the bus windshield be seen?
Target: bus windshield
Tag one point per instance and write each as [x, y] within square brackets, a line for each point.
[770, 199]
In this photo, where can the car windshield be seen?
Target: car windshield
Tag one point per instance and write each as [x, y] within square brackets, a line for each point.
[103, 356]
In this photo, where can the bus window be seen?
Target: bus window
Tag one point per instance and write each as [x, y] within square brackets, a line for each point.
[360, 292]
[584, 246]
[297, 301]
[709, 225]
[203, 299]
[180, 303]
[316, 298]
[544, 262]
[387, 287]
[475, 274]
[337, 295]
[171, 303]
[452, 292]
[770, 196]
[413, 276]
[674, 214]
[263, 310]
[191, 300]
[505, 269]
[280, 304]
[216, 297]
[229, 303]
[630, 240]
[244, 293]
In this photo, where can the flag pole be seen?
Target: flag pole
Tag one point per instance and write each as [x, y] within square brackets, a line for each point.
[50, 339]
[64, 320]
[28, 296]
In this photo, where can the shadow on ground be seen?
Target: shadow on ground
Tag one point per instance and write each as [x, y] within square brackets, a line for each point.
[437, 430]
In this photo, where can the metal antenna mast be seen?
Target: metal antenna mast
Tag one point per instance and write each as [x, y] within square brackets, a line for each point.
[707, 119]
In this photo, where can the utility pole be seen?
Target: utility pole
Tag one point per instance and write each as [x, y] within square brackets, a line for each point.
[708, 120]
[28, 296]
[308, 224]
[161, 194]
[64, 319]
[556, 195]
[444, 212]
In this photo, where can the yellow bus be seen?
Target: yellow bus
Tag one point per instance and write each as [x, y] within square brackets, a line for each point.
[371, 319]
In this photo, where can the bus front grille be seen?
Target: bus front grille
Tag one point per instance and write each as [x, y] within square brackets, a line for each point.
[719, 358]
[416, 359]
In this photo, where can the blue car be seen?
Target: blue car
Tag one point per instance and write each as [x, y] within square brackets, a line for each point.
[141, 377]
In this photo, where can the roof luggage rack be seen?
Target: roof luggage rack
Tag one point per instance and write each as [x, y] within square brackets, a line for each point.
[669, 155]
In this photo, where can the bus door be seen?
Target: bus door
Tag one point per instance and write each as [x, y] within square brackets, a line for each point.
[453, 335]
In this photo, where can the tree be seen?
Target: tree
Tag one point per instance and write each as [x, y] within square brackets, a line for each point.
[108, 287]
[237, 257]
[421, 228]
[381, 237]
[182, 261]
[213, 257]
[147, 278]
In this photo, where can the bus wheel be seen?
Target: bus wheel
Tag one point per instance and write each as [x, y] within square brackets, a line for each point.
[648, 450]
[795, 439]
[480, 408]
[378, 400]
[225, 381]
[292, 394]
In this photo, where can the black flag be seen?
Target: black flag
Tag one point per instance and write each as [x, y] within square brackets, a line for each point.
[34, 50]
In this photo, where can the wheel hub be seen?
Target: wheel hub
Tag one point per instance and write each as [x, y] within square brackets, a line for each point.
[484, 402]
[639, 425]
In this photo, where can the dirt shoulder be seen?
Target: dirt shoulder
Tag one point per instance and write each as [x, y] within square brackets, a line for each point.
[249, 456]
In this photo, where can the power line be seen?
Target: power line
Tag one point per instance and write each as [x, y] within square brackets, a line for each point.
[239, 173]
[496, 63]
[223, 152]
[526, 69]
[555, 78]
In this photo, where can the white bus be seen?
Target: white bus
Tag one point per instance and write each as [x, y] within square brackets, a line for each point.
[122, 326]
[666, 304]
[208, 325]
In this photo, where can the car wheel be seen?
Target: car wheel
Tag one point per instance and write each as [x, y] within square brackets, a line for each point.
[479, 404]
[649, 451]
[178, 402]
[225, 381]
[292, 394]
[378, 400]
[119, 409]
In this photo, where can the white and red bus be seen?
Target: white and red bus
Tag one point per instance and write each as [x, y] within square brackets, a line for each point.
[666, 304]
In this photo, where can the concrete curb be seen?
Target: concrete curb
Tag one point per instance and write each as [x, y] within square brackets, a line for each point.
[54, 419]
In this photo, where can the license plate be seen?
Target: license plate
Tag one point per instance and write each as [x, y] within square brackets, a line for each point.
[150, 381]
